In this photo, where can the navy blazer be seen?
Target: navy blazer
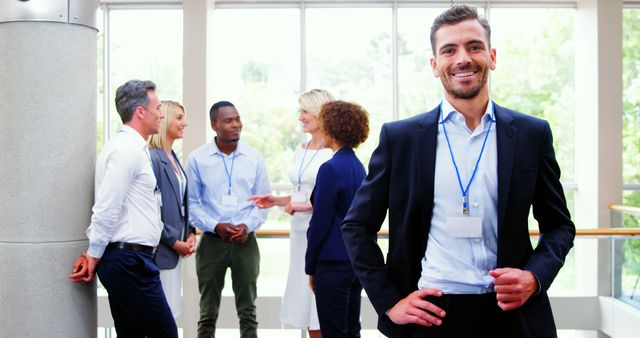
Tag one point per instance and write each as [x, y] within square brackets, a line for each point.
[174, 222]
[337, 181]
[401, 179]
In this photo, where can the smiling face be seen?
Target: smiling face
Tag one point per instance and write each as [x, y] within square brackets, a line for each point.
[175, 128]
[463, 59]
[309, 121]
[227, 124]
[151, 114]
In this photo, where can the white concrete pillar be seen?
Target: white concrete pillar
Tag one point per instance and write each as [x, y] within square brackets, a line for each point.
[598, 134]
[196, 20]
[47, 159]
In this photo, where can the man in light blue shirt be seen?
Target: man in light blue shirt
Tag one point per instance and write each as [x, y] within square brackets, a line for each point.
[452, 265]
[223, 174]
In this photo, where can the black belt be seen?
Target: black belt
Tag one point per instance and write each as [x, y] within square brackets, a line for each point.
[133, 247]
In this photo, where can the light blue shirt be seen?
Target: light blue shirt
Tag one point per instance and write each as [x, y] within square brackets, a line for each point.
[458, 265]
[208, 182]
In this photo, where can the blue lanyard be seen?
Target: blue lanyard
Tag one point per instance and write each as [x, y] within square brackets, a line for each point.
[301, 170]
[465, 192]
[229, 173]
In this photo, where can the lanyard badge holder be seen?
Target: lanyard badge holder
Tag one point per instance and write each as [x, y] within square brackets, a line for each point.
[229, 199]
[464, 225]
[299, 196]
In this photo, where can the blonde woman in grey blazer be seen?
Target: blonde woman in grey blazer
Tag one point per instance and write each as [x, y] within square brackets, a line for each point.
[178, 237]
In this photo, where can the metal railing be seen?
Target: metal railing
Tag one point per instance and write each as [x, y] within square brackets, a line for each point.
[625, 255]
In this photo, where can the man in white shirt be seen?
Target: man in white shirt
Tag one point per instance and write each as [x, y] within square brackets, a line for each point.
[223, 174]
[125, 227]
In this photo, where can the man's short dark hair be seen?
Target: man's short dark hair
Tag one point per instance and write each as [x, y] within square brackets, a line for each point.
[130, 96]
[213, 112]
[454, 15]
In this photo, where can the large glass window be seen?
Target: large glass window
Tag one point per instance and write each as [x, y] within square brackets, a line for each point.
[628, 273]
[349, 54]
[535, 70]
[144, 44]
[631, 102]
[255, 64]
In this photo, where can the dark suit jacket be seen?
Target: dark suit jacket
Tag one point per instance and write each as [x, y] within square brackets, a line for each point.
[337, 181]
[401, 179]
[174, 222]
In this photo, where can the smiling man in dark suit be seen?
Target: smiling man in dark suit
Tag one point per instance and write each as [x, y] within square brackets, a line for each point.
[458, 183]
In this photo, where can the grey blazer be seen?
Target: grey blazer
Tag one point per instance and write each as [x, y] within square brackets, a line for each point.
[174, 222]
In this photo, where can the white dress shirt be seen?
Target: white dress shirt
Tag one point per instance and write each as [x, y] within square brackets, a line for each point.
[126, 207]
[452, 264]
[208, 182]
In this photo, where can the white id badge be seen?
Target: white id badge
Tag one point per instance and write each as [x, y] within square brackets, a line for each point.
[158, 197]
[298, 197]
[230, 200]
[464, 226]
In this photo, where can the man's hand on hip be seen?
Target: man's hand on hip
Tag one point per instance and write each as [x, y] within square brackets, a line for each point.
[513, 287]
[413, 309]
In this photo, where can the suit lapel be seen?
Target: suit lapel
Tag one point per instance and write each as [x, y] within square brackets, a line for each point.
[186, 187]
[168, 170]
[506, 139]
[426, 139]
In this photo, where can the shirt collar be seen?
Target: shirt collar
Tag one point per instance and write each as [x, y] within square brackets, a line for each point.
[213, 148]
[447, 111]
[141, 142]
[345, 150]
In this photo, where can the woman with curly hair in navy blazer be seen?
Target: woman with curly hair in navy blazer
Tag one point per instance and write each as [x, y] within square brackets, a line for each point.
[337, 290]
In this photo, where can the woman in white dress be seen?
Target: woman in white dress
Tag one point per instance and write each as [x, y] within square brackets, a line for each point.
[298, 303]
